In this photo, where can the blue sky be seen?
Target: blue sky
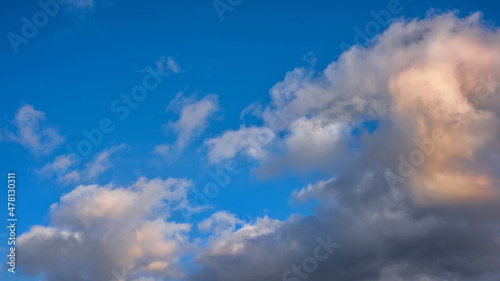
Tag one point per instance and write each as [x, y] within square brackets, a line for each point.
[217, 71]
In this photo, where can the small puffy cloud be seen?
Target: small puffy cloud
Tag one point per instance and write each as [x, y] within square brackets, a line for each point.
[101, 231]
[247, 141]
[64, 166]
[172, 65]
[32, 132]
[193, 117]
[165, 64]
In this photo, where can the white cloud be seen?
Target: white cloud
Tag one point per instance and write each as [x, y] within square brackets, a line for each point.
[227, 240]
[172, 65]
[312, 190]
[165, 64]
[162, 149]
[248, 141]
[100, 163]
[220, 222]
[193, 118]
[314, 140]
[64, 167]
[32, 132]
[99, 230]
[61, 164]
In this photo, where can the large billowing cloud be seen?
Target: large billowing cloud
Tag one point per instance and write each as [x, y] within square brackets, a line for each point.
[103, 233]
[426, 83]
[407, 129]
[419, 80]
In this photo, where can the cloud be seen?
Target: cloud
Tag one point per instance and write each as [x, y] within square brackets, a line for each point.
[226, 239]
[430, 86]
[101, 162]
[314, 141]
[162, 149]
[193, 117]
[64, 167]
[32, 132]
[219, 223]
[60, 163]
[167, 64]
[378, 241]
[416, 80]
[172, 65]
[311, 190]
[247, 141]
[101, 231]
[258, 250]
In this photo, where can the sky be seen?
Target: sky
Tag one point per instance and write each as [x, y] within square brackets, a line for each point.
[251, 140]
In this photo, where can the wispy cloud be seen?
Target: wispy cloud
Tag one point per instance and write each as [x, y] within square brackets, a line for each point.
[193, 117]
[165, 64]
[162, 149]
[64, 167]
[32, 132]
[249, 141]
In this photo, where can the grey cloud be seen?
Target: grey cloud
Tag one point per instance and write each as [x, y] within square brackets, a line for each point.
[438, 223]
